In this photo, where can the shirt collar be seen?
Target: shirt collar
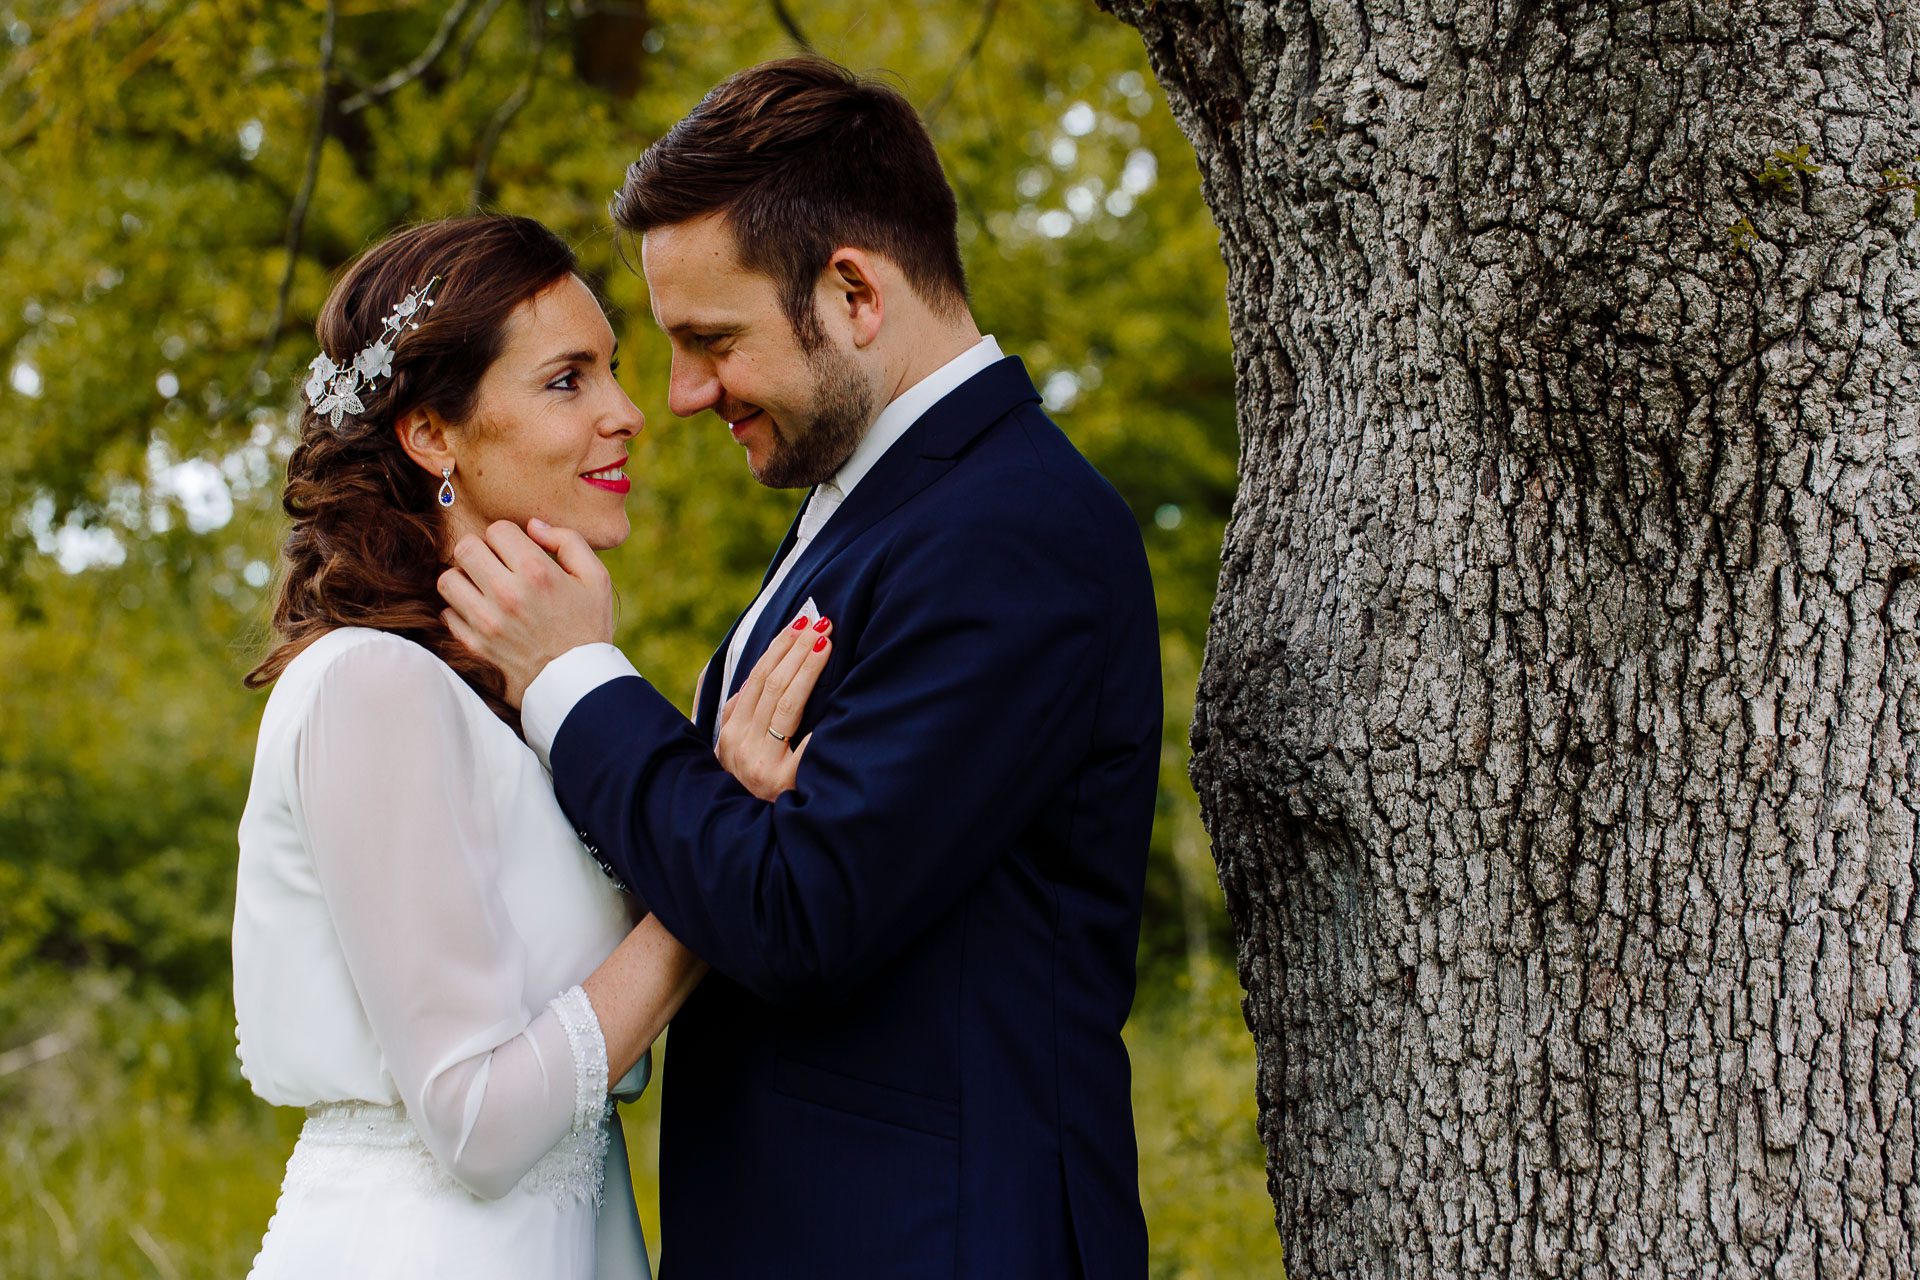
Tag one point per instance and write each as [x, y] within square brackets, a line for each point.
[907, 409]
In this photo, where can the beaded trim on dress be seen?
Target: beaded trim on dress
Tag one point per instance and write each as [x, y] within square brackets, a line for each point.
[344, 1143]
[592, 1108]
[365, 1142]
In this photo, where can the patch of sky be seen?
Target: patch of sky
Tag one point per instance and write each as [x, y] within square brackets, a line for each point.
[73, 544]
[1061, 389]
[261, 461]
[195, 485]
[1133, 87]
[1140, 172]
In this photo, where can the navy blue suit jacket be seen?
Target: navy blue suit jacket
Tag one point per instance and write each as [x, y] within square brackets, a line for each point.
[907, 1061]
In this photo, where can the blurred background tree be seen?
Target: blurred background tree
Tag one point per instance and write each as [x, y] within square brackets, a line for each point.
[179, 180]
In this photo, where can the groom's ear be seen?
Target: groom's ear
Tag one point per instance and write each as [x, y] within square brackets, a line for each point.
[855, 279]
[424, 436]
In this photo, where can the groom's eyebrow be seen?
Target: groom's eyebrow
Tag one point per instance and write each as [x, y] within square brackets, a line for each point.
[715, 330]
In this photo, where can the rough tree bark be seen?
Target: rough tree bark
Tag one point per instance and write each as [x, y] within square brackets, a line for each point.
[1559, 730]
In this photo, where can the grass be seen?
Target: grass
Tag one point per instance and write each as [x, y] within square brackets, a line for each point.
[137, 1152]
[1203, 1176]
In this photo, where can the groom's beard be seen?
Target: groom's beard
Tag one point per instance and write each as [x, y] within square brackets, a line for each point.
[812, 449]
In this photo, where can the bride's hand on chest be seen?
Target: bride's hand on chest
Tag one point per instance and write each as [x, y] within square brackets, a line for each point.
[757, 725]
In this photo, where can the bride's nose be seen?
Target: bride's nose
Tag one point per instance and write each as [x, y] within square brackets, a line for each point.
[625, 421]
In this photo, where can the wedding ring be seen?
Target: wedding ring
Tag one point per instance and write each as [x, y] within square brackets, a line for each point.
[775, 734]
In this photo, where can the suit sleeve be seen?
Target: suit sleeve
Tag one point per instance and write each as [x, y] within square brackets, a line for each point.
[965, 708]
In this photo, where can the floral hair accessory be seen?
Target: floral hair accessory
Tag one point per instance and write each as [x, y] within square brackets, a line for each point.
[334, 391]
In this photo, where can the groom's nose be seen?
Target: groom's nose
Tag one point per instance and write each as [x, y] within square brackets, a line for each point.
[692, 386]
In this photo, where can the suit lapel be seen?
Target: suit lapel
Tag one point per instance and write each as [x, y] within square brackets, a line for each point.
[706, 712]
[895, 478]
[925, 452]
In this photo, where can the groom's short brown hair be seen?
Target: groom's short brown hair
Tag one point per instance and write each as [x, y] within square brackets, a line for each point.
[804, 157]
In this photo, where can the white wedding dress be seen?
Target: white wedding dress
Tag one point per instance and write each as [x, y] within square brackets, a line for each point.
[414, 916]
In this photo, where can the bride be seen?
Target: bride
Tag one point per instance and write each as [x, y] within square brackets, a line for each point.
[425, 956]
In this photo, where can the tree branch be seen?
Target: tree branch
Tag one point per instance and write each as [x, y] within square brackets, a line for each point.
[413, 70]
[511, 107]
[964, 197]
[303, 201]
[474, 32]
[42, 107]
[51, 1045]
[790, 25]
[939, 101]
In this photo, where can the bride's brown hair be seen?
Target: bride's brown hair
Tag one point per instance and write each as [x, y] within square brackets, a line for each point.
[369, 540]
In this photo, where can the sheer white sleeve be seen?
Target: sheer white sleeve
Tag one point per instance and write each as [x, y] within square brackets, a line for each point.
[405, 847]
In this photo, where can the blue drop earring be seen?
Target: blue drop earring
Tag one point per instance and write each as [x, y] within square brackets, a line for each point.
[446, 486]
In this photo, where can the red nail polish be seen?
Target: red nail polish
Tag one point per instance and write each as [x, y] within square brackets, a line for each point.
[822, 625]
[819, 644]
[800, 623]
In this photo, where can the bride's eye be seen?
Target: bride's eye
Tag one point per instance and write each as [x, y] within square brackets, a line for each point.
[568, 381]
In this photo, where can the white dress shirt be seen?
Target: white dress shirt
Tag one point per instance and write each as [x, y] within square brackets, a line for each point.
[554, 693]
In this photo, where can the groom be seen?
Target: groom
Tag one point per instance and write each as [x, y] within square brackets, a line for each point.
[907, 1062]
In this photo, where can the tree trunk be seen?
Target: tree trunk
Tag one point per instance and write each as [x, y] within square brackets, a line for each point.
[1559, 725]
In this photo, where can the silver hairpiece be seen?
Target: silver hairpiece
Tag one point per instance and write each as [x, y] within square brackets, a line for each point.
[334, 392]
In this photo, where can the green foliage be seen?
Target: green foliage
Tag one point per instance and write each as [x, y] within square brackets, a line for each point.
[1202, 1167]
[152, 157]
[1781, 173]
[123, 758]
[1892, 179]
[134, 1152]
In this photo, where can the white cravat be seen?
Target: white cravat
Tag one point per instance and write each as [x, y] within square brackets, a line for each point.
[826, 500]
